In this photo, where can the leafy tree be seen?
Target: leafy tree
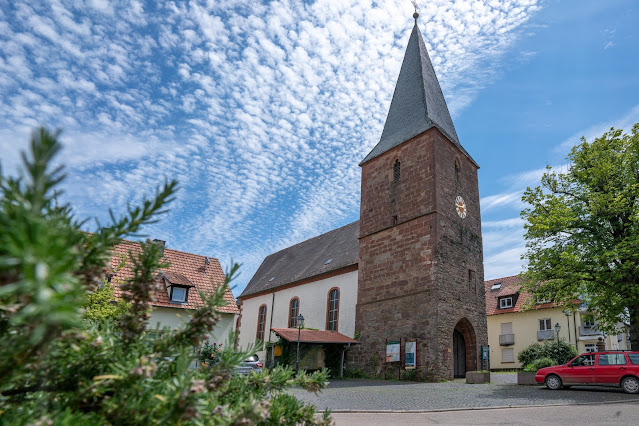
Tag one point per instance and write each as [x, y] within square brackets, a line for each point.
[59, 366]
[101, 305]
[582, 231]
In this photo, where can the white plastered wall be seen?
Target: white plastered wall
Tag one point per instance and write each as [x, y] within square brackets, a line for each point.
[313, 304]
[174, 318]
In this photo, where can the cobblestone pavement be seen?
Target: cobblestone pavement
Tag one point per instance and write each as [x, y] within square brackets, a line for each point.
[565, 415]
[371, 395]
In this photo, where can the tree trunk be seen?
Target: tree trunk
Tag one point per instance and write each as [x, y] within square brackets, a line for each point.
[634, 327]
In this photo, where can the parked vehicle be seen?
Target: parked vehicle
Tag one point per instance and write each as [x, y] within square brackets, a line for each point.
[609, 368]
[251, 363]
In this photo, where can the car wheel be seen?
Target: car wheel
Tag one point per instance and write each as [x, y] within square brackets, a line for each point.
[630, 384]
[553, 382]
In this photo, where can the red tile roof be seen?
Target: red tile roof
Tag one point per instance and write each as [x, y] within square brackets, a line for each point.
[185, 269]
[312, 336]
[510, 286]
[177, 279]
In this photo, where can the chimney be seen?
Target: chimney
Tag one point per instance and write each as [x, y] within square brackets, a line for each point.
[162, 244]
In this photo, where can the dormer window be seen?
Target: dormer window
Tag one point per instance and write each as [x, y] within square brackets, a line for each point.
[177, 287]
[178, 294]
[506, 302]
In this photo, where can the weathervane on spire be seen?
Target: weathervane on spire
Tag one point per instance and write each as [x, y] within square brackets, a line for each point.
[416, 14]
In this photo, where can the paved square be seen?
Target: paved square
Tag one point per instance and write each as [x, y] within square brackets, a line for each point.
[379, 395]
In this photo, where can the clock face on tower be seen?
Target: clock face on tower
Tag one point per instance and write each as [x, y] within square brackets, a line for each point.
[460, 206]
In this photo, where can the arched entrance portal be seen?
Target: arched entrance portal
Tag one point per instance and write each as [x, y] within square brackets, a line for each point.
[464, 348]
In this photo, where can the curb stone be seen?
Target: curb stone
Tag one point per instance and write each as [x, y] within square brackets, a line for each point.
[497, 407]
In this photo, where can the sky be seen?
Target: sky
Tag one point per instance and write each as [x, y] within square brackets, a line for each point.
[262, 110]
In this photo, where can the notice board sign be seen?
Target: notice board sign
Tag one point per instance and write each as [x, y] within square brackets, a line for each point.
[411, 349]
[485, 353]
[393, 349]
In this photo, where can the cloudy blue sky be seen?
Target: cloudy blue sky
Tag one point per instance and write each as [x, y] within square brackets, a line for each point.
[263, 110]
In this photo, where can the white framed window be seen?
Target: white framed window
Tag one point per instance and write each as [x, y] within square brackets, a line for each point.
[496, 286]
[508, 355]
[591, 347]
[545, 324]
[505, 303]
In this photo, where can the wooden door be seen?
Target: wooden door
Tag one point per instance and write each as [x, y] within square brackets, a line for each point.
[459, 355]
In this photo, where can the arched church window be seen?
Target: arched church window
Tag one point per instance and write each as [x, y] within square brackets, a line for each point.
[397, 171]
[333, 310]
[261, 323]
[293, 312]
[457, 172]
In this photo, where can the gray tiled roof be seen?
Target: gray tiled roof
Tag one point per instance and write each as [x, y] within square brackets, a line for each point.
[418, 102]
[307, 259]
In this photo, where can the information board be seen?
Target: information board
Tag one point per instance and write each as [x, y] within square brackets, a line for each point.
[392, 351]
[411, 348]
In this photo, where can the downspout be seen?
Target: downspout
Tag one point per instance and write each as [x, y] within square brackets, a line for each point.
[341, 363]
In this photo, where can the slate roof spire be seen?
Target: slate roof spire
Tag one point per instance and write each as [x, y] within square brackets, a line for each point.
[418, 102]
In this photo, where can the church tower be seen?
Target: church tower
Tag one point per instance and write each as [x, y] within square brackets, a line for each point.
[420, 249]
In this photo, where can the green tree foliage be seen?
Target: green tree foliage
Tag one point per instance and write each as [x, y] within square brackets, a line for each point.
[60, 366]
[582, 231]
[101, 305]
[559, 353]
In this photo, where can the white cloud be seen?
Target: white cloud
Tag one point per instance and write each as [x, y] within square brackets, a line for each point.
[507, 199]
[262, 111]
[625, 122]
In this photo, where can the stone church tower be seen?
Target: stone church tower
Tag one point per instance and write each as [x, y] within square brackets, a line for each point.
[420, 249]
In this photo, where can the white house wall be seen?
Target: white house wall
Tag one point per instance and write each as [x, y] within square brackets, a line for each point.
[313, 306]
[176, 318]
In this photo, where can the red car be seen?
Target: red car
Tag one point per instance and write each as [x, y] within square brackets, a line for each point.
[618, 368]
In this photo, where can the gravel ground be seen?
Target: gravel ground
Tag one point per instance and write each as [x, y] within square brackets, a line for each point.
[366, 395]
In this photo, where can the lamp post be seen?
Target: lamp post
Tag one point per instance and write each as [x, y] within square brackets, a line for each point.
[300, 323]
[557, 328]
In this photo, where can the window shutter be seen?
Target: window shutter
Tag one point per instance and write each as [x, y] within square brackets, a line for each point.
[506, 328]
[508, 355]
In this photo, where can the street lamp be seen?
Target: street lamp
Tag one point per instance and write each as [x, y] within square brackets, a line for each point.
[557, 328]
[300, 323]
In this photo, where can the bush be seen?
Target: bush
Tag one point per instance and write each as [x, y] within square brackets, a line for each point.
[540, 363]
[531, 353]
[547, 349]
[355, 373]
[58, 365]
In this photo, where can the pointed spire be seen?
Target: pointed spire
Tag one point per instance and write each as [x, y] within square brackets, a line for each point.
[418, 102]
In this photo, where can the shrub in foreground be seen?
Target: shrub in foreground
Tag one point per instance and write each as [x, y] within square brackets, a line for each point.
[66, 358]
